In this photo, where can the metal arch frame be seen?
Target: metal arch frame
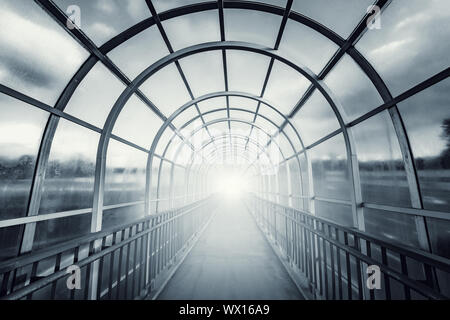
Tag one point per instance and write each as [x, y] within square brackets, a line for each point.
[196, 8]
[268, 104]
[319, 84]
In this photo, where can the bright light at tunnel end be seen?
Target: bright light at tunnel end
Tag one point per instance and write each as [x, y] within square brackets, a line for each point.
[230, 185]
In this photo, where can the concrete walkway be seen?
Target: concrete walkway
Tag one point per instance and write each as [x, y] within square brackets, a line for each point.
[232, 260]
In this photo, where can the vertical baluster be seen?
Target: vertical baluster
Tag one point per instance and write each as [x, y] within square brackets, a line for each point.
[111, 266]
[119, 271]
[338, 258]
[348, 267]
[387, 284]
[358, 268]
[369, 254]
[405, 272]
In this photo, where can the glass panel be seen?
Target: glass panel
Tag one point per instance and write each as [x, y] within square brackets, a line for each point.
[215, 115]
[239, 128]
[341, 16]
[139, 52]
[204, 72]
[352, 88]
[296, 183]
[330, 172]
[305, 180]
[50, 232]
[243, 103]
[95, 96]
[315, 119]
[191, 29]
[39, 57]
[125, 174]
[120, 216]
[265, 125]
[383, 177]
[137, 123]
[186, 116]
[164, 186]
[69, 178]
[211, 104]
[219, 128]
[179, 186]
[173, 148]
[412, 43]
[164, 5]
[285, 87]
[103, 19]
[289, 131]
[396, 227]
[246, 71]
[251, 26]
[21, 129]
[162, 143]
[242, 115]
[336, 212]
[166, 90]
[271, 114]
[283, 185]
[10, 238]
[427, 120]
[285, 146]
[439, 236]
[303, 45]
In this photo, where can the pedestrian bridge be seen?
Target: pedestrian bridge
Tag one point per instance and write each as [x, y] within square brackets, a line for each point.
[175, 149]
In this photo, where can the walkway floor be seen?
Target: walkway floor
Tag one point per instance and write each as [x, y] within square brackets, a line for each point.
[232, 260]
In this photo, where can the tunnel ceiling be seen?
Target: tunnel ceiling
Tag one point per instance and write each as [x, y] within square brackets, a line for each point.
[310, 88]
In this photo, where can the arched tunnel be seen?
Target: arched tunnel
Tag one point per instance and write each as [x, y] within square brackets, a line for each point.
[188, 149]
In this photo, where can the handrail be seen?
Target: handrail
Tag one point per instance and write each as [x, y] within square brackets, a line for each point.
[410, 251]
[155, 240]
[310, 242]
[44, 253]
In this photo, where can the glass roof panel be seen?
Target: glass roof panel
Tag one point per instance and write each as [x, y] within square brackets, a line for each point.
[243, 115]
[38, 58]
[315, 119]
[164, 5]
[193, 29]
[285, 87]
[137, 123]
[95, 96]
[353, 88]
[301, 44]
[204, 72]
[185, 116]
[271, 114]
[240, 128]
[103, 19]
[136, 54]
[412, 44]
[265, 125]
[173, 148]
[166, 90]
[246, 71]
[211, 104]
[164, 139]
[219, 128]
[215, 115]
[341, 16]
[243, 103]
[289, 131]
[251, 26]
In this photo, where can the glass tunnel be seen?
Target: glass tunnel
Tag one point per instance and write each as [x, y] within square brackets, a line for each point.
[138, 135]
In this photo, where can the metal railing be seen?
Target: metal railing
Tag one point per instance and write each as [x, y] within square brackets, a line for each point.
[333, 260]
[119, 263]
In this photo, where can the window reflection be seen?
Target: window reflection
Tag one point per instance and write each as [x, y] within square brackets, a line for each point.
[21, 129]
[125, 174]
[330, 171]
[427, 120]
[382, 173]
[69, 178]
